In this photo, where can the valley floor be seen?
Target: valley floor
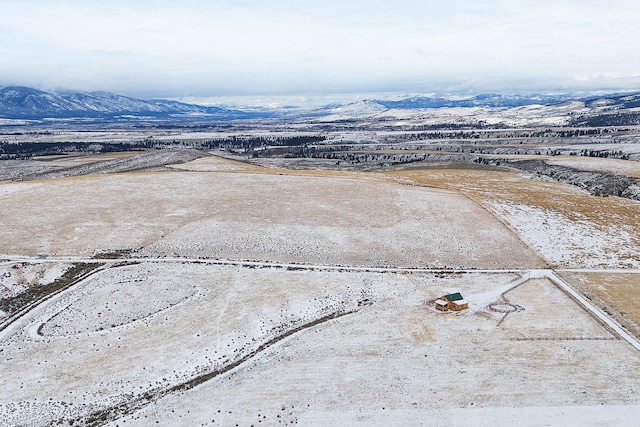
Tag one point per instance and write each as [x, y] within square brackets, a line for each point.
[223, 293]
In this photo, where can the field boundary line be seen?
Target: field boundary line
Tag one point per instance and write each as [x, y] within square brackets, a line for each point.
[7, 325]
[596, 312]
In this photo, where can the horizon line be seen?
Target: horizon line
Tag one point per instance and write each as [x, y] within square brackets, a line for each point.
[301, 99]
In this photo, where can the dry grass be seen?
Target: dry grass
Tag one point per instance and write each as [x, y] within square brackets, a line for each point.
[397, 352]
[386, 355]
[218, 164]
[311, 217]
[486, 187]
[618, 294]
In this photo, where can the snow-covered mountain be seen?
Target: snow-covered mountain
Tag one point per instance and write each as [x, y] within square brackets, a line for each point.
[19, 102]
[616, 101]
[358, 109]
[485, 100]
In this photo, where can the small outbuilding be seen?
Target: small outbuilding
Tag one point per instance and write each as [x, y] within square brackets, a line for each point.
[458, 305]
[442, 305]
[453, 302]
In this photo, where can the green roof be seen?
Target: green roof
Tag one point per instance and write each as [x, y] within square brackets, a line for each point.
[454, 297]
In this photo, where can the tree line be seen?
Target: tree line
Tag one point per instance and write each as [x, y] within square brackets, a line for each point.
[25, 150]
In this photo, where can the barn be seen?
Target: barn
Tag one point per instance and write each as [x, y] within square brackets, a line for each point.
[442, 305]
[454, 302]
[458, 305]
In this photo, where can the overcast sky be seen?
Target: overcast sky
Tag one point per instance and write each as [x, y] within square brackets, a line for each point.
[285, 47]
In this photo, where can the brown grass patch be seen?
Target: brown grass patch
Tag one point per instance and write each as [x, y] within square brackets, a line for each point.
[617, 294]
[486, 187]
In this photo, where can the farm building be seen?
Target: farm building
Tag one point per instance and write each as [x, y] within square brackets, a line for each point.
[442, 305]
[459, 305]
[453, 302]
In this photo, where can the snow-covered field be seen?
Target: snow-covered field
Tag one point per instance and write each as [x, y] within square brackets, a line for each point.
[566, 225]
[531, 115]
[138, 337]
[16, 278]
[350, 220]
[267, 297]
[614, 166]
[562, 240]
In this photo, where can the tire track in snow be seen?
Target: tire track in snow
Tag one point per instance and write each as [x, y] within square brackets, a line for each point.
[112, 413]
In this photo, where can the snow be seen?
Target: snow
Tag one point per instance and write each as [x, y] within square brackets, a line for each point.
[15, 188]
[614, 166]
[300, 317]
[576, 243]
[357, 109]
[114, 301]
[383, 358]
[603, 416]
[17, 278]
[307, 219]
[527, 116]
[212, 314]
[213, 164]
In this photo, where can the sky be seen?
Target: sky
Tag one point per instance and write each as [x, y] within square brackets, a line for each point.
[224, 48]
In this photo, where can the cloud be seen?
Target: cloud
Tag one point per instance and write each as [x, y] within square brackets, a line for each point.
[197, 47]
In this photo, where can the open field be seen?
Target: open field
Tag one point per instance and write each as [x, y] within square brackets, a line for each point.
[569, 227]
[285, 218]
[385, 348]
[620, 290]
[223, 293]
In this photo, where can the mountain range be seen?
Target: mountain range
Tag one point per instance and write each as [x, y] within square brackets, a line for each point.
[18, 102]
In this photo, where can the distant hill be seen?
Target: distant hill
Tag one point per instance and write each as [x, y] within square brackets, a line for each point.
[610, 110]
[616, 101]
[485, 100]
[17, 102]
